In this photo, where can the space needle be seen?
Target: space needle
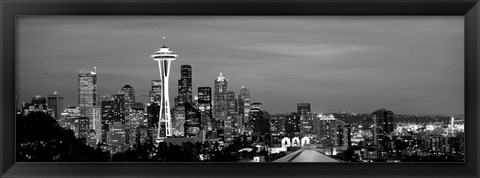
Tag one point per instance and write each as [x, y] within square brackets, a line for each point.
[164, 57]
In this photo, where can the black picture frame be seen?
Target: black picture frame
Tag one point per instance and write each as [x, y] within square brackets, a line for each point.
[10, 9]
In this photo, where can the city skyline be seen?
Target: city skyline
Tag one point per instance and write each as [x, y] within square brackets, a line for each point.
[426, 81]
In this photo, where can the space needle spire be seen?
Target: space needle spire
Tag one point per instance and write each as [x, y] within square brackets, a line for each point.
[164, 57]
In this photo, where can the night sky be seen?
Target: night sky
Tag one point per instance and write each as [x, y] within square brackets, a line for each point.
[410, 65]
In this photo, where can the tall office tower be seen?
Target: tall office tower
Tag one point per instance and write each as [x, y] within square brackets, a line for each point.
[82, 127]
[231, 103]
[250, 124]
[243, 107]
[164, 57]
[119, 108]
[343, 135]
[55, 102]
[97, 123]
[153, 112]
[138, 110]
[292, 124]
[220, 102]
[193, 122]
[303, 108]
[129, 93]
[108, 115]
[185, 84]
[382, 125]
[205, 107]
[327, 129]
[231, 118]
[116, 137]
[87, 93]
[156, 92]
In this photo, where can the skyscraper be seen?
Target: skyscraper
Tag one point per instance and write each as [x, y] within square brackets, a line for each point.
[119, 108]
[231, 119]
[87, 92]
[193, 123]
[164, 57]
[97, 123]
[55, 102]
[220, 101]
[156, 92]
[129, 93]
[185, 84]
[205, 107]
[243, 107]
[382, 125]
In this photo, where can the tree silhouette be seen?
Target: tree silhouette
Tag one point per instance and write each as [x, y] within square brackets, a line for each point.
[39, 138]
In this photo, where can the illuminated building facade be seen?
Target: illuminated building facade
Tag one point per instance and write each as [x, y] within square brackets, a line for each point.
[108, 115]
[155, 94]
[193, 122]
[164, 57]
[185, 84]
[87, 92]
[205, 107]
[243, 108]
[327, 128]
[116, 138]
[220, 101]
[382, 125]
[82, 127]
[119, 108]
[129, 93]
[231, 119]
[97, 123]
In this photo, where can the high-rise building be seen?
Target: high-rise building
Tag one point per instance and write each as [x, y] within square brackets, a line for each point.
[303, 108]
[327, 129]
[230, 124]
[83, 127]
[153, 112]
[129, 93]
[184, 96]
[220, 101]
[256, 112]
[156, 92]
[164, 57]
[382, 125]
[243, 107]
[193, 122]
[55, 102]
[108, 115]
[97, 123]
[87, 93]
[116, 137]
[185, 84]
[205, 107]
[292, 124]
[343, 135]
[119, 108]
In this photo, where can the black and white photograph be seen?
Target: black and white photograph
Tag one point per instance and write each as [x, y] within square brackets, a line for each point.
[336, 89]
